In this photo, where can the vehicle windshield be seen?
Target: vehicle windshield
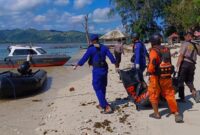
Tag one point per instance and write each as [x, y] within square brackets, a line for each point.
[24, 52]
[40, 50]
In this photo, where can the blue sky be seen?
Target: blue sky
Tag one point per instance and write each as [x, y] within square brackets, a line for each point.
[57, 14]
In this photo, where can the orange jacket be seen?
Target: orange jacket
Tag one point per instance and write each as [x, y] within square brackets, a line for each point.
[154, 60]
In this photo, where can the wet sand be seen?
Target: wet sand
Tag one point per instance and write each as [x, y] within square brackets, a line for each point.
[22, 116]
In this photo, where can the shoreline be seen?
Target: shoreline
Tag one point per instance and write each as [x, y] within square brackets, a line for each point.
[24, 115]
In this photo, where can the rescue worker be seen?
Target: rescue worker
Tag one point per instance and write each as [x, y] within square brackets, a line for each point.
[97, 53]
[139, 55]
[160, 82]
[186, 67]
[118, 51]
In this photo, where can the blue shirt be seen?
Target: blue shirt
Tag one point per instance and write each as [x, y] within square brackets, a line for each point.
[140, 54]
[92, 52]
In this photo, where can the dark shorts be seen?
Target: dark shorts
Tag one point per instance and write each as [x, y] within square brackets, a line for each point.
[118, 58]
[186, 73]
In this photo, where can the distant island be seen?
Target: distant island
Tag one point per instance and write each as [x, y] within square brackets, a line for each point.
[41, 36]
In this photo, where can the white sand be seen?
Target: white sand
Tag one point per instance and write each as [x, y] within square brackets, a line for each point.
[74, 113]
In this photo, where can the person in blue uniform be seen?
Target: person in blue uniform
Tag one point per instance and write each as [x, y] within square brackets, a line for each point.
[97, 53]
[139, 55]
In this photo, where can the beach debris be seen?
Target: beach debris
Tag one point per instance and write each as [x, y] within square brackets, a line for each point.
[71, 89]
[88, 103]
[84, 133]
[103, 124]
[123, 118]
[98, 125]
[50, 104]
[109, 129]
[49, 130]
[42, 124]
[36, 100]
[88, 121]
[83, 104]
[96, 132]
[118, 109]
[86, 128]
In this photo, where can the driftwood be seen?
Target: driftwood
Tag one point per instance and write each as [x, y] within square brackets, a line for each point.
[85, 25]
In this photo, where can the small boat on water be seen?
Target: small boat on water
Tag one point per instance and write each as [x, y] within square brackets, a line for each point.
[27, 82]
[38, 57]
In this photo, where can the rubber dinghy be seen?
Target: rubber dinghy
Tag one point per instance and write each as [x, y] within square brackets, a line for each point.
[135, 89]
[14, 84]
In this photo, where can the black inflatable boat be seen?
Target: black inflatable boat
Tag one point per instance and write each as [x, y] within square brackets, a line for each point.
[14, 84]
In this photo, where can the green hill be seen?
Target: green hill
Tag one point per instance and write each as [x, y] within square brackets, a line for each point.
[41, 36]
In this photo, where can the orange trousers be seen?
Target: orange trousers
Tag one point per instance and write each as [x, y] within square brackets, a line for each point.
[164, 87]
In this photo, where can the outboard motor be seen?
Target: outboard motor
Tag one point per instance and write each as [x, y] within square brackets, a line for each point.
[24, 69]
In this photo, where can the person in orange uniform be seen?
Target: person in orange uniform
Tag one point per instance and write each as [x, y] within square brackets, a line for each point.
[160, 82]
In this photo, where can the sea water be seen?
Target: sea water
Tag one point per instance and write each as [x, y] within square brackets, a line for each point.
[70, 49]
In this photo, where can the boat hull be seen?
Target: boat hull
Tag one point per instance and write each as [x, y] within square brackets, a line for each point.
[15, 85]
[36, 61]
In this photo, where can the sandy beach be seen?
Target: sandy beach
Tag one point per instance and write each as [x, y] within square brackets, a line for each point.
[68, 107]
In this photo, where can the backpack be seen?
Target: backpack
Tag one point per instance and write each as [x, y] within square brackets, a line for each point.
[90, 58]
[133, 56]
[164, 68]
[101, 62]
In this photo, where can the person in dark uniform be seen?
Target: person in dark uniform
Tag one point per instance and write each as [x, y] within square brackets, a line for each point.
[186, 67]
[139, 55]
[97, 54]
[118, 51]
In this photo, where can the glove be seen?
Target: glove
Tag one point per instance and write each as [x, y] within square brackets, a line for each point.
[137, 66]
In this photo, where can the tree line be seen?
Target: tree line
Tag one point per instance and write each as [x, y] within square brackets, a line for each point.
[150, 16]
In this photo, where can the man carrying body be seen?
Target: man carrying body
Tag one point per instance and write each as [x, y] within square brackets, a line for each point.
[186, 67]
[160, 82]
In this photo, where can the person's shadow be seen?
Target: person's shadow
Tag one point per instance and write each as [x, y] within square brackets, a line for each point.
[182, 107]
[187, 106]
[119, 101]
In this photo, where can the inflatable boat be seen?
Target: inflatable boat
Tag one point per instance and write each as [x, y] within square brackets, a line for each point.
[15, 85]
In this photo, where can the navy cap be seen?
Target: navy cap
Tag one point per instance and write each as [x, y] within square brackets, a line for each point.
[135, 35]
[94, 37]
[188, 33]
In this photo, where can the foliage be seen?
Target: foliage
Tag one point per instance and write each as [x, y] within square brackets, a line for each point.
[140, 15]
[144, 16]
[41, 36]
[183, 14]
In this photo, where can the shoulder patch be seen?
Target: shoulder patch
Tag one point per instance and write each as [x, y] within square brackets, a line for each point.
[190, 47]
